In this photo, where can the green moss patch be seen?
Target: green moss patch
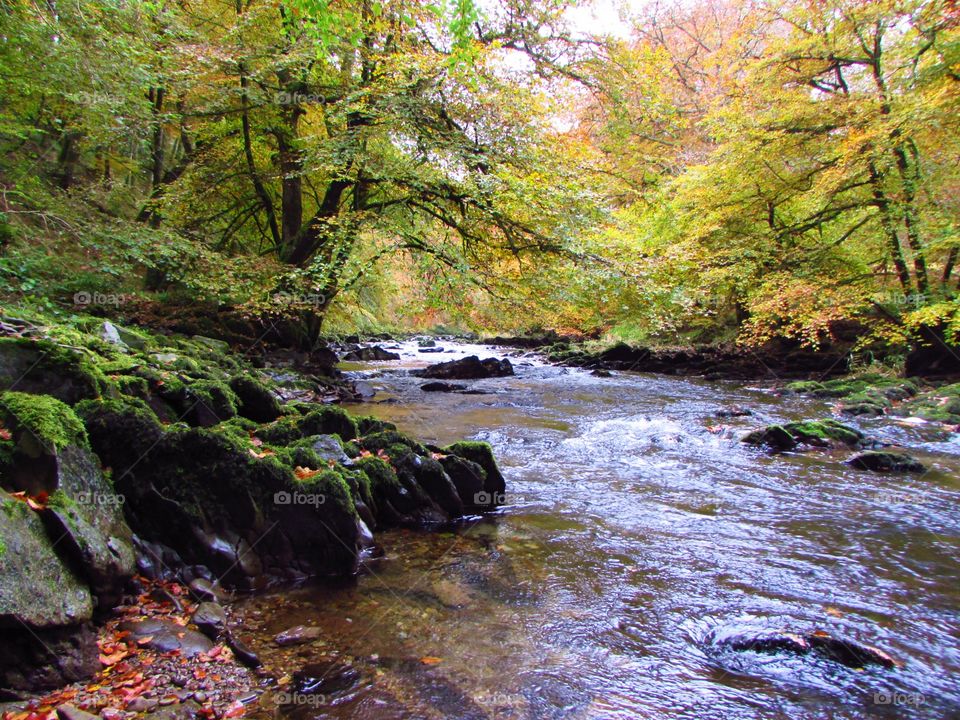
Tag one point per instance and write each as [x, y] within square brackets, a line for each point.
[42, 423]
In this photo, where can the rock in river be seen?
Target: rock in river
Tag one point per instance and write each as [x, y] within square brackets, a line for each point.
[879, 461]
[468, 368]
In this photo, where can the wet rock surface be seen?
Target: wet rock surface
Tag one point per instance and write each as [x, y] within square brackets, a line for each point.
[468, 368]
[882, 461]
[843, 651]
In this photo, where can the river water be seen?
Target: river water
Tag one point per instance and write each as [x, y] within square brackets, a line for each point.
[636, 529]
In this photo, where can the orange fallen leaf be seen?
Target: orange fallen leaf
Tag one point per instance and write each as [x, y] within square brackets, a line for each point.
[113, 658]
[431, 660]
[303, 473]
[265, 453]
[235, 709]
[144, 640]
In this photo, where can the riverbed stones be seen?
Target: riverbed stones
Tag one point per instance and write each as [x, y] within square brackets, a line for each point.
[166, 636]
[298, 635]
[210, 618]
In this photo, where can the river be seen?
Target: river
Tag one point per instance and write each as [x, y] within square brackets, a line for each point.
[637, 528]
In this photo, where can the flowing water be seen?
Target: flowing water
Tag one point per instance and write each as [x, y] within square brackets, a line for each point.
[636, 529]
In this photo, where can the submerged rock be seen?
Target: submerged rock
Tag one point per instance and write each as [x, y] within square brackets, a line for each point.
[298, 635]
[883, 461]
[840, 650]
[468, 368]
[442, 387]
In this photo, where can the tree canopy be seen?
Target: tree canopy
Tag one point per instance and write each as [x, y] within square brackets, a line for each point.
[727, 169]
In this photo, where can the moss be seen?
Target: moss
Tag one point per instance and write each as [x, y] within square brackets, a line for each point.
[352, 449]
[389, 440]
[122, 365]
[333, 486]
[255, 399]
[824, 432]
[367, 425]
[325, 420]
[132, 385]
[217, 397]
[481, 453]
[806, 387]
[43, 419]
[329, 420]
[380, 475]
[47, 363]
[299, 456]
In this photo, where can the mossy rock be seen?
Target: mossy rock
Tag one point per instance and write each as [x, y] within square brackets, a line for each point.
[367, 425]
[939, 405]
[392, 502]
[122, 431]
[824, 433]
[210, 402]
[255, 401]
[429, 474]
[390, 440]
[325, 420]
[818, 433]
[41, 424]
[42, 367]
[481, 453]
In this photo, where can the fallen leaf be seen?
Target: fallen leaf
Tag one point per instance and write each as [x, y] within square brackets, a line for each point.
[303, 473]
[235, 709]
[431, 660]
[113, 658]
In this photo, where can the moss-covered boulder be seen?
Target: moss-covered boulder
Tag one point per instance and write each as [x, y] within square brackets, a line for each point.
[256, 402]
[816, 433]
[322, 420]
[940, 404]
[43, 367]
[40, 427]
[481, 453]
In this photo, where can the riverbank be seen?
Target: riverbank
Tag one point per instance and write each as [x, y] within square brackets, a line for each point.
[146, 477]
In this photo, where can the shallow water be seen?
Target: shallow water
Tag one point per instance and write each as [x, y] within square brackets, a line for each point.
[636, 528]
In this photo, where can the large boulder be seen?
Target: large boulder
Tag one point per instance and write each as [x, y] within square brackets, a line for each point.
[45, 606]
[43, 367]
[815, 433]
[372, 353]
[468, 368]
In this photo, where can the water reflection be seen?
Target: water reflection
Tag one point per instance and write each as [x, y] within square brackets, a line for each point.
[638, 528]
